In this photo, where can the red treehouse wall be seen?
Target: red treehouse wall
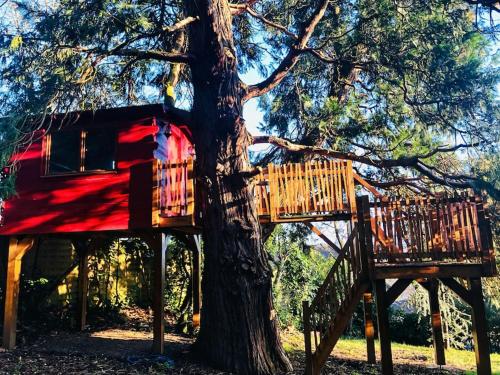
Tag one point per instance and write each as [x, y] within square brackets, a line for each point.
[94, 173]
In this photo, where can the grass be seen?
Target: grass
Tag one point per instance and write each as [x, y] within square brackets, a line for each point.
[355, 349]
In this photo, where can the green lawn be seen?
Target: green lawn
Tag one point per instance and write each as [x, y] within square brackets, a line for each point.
[355, 349]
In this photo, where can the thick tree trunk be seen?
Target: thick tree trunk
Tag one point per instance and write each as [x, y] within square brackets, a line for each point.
[239, 331]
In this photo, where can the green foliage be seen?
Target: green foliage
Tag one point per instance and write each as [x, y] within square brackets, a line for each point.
[409, 327]
[297, 272]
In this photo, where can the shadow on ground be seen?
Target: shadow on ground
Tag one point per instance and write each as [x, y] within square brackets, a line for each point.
[126, 351]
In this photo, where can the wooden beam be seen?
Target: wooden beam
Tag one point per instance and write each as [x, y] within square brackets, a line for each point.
[17, 249]
[383, 327]
[365, 236]
[480, 328]
[369, 328]
[366, 185]
[321, 235]
[395, 290]
[437, 330]
[196, 282]
[459, 289]
[422, 270]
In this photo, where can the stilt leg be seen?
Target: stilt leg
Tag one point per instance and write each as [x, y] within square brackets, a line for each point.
[479, 328]
[383, 327]
[437, 332]
[160, 249]
[83, 287]
[369, 328]
[17, 249]
[196, 283]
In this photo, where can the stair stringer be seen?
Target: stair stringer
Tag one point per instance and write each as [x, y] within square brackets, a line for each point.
[337, 326]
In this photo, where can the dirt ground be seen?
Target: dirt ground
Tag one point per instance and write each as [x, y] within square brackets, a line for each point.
[127, 351]
[124, 347]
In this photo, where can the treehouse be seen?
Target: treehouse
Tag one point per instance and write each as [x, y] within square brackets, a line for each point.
[131, 172]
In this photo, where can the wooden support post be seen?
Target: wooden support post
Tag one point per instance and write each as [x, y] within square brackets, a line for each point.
[486, 240]
[437, 331]
[369, 327]
[307, 337]
[479, 328]
[17, 249]
[160, 243]
[196, 282]
[83, 286]
[365, 236]
[383, 327]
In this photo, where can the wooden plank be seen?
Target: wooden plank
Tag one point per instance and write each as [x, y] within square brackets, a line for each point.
[383, 328]
[17, 249]
[428, 269]
[395, 290]
[459, 289]
[321, 235]
[366, 185]
[155, 213]
[480, 328]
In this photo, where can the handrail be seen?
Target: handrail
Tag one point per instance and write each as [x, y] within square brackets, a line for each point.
[423, 228]
[334, 296]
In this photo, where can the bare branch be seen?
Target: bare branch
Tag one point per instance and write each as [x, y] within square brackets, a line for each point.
[493, 5]
[291, 59]
[151, 54]
[179, 25]
[237, 9]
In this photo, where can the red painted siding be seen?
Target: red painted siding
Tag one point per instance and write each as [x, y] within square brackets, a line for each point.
[117, 200]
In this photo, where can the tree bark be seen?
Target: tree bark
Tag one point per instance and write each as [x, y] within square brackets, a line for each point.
[239, 331]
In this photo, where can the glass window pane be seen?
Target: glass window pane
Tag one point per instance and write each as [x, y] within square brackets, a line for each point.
[64, 152]
[100, 149]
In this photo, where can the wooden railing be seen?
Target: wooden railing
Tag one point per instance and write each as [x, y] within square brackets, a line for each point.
[430, 229]
[173, 193]
[317, 189]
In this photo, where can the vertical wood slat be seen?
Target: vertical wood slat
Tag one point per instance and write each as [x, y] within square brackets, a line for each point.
[310, 189]
[423, 228]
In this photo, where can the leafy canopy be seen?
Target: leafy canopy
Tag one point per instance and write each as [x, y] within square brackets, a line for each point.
[408, 87]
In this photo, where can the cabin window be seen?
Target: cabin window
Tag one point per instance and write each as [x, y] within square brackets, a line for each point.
[64, 152]
[77, 151]
[99, 150]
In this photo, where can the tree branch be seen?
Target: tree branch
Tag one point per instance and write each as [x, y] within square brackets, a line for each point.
[493, 5]
[179, 25]
[151, 54]
[414, 162]
[291, 59]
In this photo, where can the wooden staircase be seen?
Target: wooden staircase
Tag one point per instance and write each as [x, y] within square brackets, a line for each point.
[328, 315]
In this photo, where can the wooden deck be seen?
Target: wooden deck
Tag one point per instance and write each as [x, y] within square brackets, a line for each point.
[426, 234]
[445, 236]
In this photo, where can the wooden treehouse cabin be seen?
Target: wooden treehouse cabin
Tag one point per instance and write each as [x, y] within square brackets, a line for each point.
[131, 172]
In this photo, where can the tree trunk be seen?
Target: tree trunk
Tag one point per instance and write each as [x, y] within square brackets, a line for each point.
[239, 331]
